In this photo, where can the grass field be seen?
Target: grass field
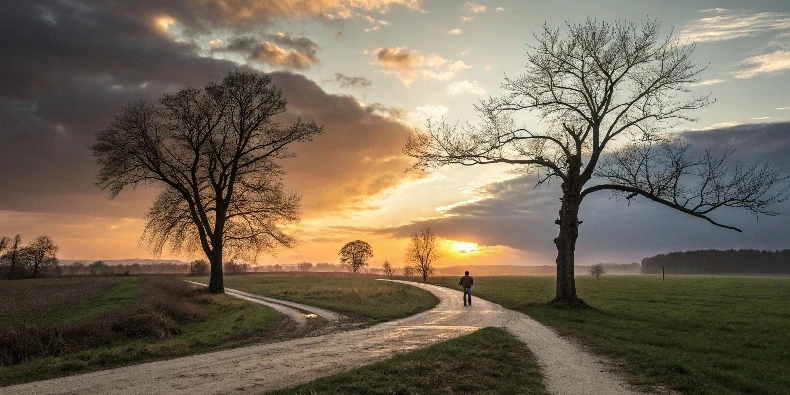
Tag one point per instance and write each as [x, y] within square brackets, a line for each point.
[125, 320]
[698, 335]
[64, 299]
[488, 361]
[346, 293]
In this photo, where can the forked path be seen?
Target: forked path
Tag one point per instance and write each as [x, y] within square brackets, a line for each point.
[566, 367]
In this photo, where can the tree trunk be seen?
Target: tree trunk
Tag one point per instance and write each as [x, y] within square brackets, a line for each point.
[216, 284]
[566, 240]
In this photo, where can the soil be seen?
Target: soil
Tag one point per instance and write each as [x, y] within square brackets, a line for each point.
[566, 367]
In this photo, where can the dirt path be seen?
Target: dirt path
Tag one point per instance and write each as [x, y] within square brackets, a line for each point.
[567, 368]
[298, 312]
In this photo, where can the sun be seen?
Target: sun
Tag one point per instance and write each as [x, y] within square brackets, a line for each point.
[464, 247]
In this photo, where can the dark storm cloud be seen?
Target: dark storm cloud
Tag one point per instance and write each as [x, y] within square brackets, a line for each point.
[68, 68]
[352, 82]
[518, 216]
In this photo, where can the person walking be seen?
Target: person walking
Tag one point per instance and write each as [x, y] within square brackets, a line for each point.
[466, 282]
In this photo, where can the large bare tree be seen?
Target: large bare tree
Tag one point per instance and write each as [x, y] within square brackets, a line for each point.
[214, 153]
[606, 95]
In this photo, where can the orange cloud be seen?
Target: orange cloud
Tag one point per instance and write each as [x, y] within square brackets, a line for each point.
[406, 64]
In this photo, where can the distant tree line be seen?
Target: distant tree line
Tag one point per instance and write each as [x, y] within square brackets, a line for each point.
[101, 268]
[720, 262]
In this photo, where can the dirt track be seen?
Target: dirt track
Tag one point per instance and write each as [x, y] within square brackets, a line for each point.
[255, 369]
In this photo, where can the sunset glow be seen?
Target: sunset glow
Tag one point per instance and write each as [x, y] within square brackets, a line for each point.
[464, 247]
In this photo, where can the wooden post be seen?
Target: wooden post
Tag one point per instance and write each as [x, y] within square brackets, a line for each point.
[662, 273]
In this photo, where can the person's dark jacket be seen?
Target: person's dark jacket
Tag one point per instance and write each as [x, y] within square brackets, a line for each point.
[466, 281]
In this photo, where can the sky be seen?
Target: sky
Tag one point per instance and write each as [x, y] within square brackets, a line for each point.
[371, 72]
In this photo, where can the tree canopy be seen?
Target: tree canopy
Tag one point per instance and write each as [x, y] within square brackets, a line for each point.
[355, 255]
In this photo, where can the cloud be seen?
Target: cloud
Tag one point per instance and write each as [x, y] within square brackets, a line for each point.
[352, 82]
[408, 65]
[487, 68]
[429, 111]
[466, 52]
[475, 8]
[200, 16]
[281, 50]
[708, 82]
[66, 81]
[760, 118]
[770, 63]
[461, 87]
[783, 108]
[512, 213]
[728, 25]
[358, 156]
[372, 29]
[454, 32]
[500, 9]
[467, 18]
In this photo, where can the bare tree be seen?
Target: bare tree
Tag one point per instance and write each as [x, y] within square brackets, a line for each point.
[597, 270]
[304, 266]
[387, 267]
[422, 252]
[355, 254]
[40, 255]
[213, 152]
[602, 85]
[12, 258]
[409, 271]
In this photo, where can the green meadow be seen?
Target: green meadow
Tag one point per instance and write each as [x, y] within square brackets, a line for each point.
[356, 295]
[694, 334]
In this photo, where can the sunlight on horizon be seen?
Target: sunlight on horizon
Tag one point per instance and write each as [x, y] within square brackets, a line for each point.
[463, 247]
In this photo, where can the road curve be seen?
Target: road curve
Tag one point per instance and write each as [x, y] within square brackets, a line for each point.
[566, 367]
[298, 312]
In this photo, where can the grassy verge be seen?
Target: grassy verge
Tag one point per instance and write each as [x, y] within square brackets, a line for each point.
[350, 294]
[165, 321]
[64, 299]
[488, 361]
[698, 335]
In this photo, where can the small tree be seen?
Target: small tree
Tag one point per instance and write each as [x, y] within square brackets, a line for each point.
[387, 267]
[304, 266]
[597, 270]
[423, 251]
[355, 254]
[40, 255]
[11, 259]
[198, 267]
[409, 271]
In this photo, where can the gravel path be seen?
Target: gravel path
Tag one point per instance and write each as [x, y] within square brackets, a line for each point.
[298, 312]
[567, 368]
